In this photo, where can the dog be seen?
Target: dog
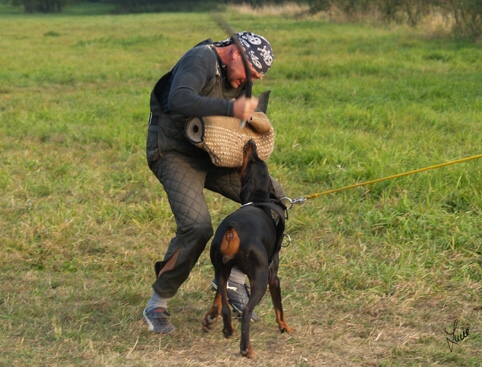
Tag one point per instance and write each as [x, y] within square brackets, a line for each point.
[251, 239]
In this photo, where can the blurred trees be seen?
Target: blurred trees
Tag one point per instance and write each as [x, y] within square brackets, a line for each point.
[465, 15]
[41, 6]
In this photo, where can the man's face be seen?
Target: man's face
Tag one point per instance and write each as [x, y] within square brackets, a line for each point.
[236, 73]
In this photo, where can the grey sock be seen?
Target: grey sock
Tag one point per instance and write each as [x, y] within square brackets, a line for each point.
[237, 276]
[157, 301]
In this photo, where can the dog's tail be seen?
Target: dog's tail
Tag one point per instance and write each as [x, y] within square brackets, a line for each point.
[230, 244]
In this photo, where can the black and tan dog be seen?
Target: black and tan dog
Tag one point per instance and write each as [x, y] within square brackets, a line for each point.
[249, 238]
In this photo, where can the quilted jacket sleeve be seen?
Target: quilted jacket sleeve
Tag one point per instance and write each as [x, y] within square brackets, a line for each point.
[195, 70]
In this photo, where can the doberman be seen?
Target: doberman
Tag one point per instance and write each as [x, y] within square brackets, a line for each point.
[250, 238]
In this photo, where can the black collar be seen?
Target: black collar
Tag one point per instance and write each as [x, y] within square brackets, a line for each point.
[279, 209]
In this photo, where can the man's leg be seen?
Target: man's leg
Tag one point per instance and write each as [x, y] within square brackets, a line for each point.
[183, 180]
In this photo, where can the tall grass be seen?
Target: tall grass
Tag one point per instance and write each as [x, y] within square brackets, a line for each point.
[373, 275]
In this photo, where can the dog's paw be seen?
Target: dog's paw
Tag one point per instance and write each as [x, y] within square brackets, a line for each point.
[286, 328]
[247, 353]
[209, 323]
[228, 332]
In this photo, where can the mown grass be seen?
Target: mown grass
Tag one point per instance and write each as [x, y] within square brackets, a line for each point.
[374, 274]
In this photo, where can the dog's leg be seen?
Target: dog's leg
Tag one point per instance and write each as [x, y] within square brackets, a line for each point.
[211, 318]
[228, 328]
[218, 307]
[258, 283]
[275, 291]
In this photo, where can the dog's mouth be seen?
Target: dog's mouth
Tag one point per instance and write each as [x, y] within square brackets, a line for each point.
[250, 153]
[249, 148]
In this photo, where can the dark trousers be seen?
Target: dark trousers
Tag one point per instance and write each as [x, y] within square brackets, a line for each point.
[184, 178]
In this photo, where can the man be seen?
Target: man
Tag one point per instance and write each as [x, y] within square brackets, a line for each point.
[208, 80]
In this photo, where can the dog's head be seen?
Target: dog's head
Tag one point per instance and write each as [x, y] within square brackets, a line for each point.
[256, 185]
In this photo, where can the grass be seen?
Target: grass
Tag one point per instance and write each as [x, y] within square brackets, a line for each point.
[373, 276]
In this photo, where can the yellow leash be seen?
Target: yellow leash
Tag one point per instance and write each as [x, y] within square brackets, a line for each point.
[304, 198]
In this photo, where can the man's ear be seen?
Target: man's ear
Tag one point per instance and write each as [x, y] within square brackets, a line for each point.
[235, 54]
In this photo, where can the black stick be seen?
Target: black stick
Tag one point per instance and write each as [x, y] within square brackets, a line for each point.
[234, 36]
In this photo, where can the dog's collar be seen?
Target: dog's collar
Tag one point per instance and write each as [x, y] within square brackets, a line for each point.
[272, 210]
[266, 209]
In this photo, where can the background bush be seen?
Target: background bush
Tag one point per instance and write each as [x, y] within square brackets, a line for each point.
[464, 15]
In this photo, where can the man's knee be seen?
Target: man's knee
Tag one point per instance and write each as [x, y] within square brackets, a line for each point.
[193, 237]
[202, 231]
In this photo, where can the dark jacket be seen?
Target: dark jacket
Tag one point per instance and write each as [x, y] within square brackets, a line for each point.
[196, 86]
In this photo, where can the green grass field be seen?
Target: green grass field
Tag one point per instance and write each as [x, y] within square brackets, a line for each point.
[373, 276]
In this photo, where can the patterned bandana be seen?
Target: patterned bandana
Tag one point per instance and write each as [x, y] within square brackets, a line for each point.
[258, 50]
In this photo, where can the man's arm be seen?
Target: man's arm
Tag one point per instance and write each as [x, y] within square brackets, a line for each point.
[191, 75]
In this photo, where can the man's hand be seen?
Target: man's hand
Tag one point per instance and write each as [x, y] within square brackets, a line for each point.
[244, 107]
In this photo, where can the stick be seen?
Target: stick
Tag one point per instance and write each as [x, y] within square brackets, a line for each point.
[223, 24]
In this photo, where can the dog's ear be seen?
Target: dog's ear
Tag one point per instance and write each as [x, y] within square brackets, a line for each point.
[263, 100]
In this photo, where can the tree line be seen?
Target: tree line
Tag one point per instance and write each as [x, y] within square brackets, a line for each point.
[41, 6]
[466, 15]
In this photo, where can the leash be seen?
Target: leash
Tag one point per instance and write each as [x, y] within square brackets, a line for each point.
[303, 199]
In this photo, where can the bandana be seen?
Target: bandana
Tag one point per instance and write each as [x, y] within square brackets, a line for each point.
[257, 48]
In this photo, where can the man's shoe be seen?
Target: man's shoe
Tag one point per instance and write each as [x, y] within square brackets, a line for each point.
[157, 319]
[238, 297]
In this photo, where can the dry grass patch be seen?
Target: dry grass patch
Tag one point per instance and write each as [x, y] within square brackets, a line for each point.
[287, 9]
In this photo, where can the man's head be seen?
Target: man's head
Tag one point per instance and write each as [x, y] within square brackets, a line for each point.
[258, 51]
